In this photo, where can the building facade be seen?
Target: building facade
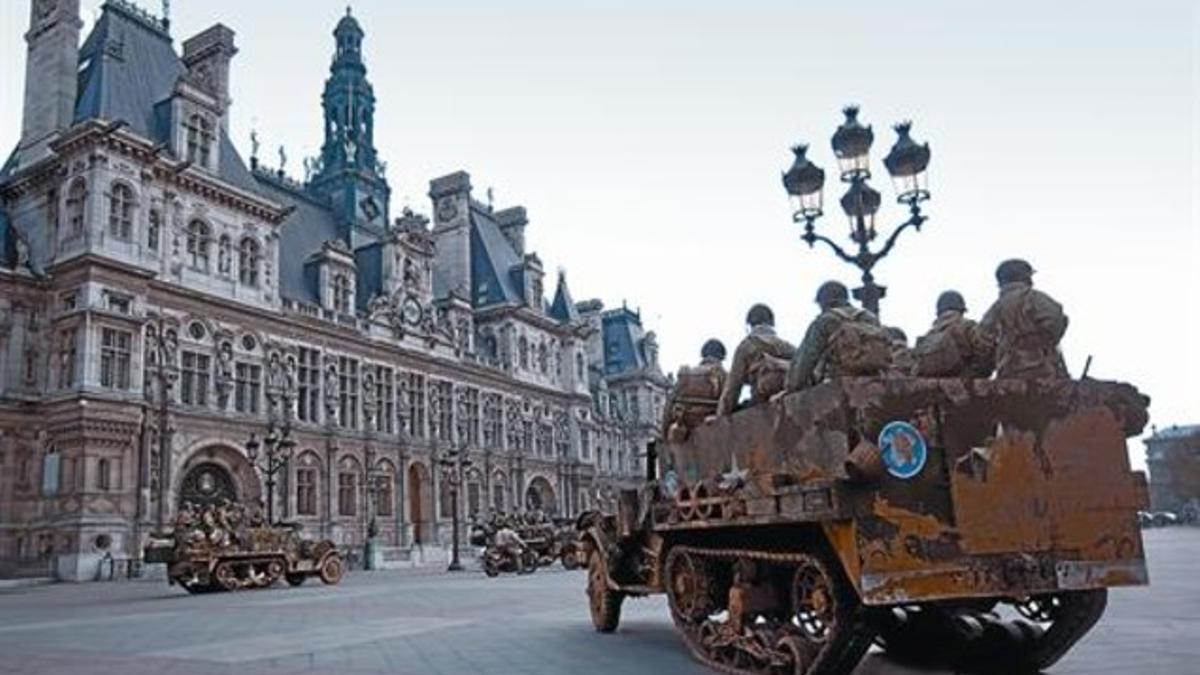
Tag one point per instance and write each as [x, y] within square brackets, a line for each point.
[161, 300]
[1173, 458]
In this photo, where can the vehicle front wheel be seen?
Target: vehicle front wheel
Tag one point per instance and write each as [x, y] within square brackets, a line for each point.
[605, 603]
[331, 570]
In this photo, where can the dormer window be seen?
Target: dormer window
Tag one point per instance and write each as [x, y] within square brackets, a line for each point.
[197, 245]
[199, 129]
[249, 260]
[120, 212]
[341, 293]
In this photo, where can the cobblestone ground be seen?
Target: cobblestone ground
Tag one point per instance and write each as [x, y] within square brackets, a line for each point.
[431, 622]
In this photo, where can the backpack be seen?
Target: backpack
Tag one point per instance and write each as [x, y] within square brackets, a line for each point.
[770, 373]
[939, 355]
[858, 346]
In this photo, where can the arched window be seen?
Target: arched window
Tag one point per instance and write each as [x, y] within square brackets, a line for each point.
[248, 262]
[384, 496]
[199, 130]
[341, 293]
[153, 231]
[197, 245]
[543, 358]
[579, 366]
[523, 352]
[103, 475]
[307, 477]
[347, 492]
[224, 255]
[76, 200]
[120, 212]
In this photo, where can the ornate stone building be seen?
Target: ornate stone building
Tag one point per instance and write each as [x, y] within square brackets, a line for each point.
[161, 300]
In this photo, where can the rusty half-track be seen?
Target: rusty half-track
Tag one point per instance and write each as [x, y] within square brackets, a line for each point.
[211, 550]
[949, 520]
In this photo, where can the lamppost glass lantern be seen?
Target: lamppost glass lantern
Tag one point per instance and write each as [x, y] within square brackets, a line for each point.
[804, 182]
[287, 446]
[860, 203]
[852, 146]
[907, 162]
[252, 446]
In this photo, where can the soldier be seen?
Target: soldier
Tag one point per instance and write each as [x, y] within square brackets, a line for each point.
[509, 544]
[1026, 326]
[696, 392]
[842, 340]
[761, 360]
[955, 346]
[902, 356]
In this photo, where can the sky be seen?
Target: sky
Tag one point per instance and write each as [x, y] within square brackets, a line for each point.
[646, 139]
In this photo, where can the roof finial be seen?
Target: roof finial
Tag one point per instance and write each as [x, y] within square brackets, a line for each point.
[491, 197]
[282, 160]
[347, 10]
[166, 13]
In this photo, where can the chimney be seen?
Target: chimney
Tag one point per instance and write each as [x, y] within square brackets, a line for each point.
[512, 222]
[51, 76]
[207, 56]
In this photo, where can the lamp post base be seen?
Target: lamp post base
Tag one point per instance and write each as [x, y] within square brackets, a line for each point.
[454, 566]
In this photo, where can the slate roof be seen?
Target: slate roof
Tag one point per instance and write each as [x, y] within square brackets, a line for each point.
[563, 307]
[302, 234]
[492, 261]
[1176, 432]
[622, 336]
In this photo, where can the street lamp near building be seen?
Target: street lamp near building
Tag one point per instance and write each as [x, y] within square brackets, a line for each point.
[906, 164]
[453, 463]
[276, 451]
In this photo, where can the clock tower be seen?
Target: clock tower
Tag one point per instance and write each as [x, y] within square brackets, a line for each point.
[51, 72]
[349, 173]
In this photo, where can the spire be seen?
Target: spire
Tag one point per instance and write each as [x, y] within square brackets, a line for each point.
[349, 103]
[349, 172]
[563, 307]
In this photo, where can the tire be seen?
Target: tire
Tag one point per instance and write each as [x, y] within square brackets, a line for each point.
[331, 570]
[489, 567]
[225, 577]
[604, 603]
[295, 578]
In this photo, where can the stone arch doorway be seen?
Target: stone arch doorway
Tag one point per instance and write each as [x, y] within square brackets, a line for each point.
[540, 495]
[420, 502]
[207, 484]
[215, 473]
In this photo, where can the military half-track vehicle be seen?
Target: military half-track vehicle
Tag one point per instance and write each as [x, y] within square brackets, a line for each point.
[963, 521]
[211, 550]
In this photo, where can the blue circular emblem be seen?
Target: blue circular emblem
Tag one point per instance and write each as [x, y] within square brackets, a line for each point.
[903, 449]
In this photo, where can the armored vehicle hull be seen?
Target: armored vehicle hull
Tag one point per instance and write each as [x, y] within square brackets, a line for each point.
[203, 558]
[910, 512]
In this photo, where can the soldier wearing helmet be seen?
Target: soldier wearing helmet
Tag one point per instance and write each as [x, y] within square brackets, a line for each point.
[842, 340]
[955, 346]
[761, 361]
[696, 391]
[1026, 326]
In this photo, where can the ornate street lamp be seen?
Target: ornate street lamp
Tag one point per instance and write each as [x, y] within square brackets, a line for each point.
[453, 463]
[906, 163]
[276, 450]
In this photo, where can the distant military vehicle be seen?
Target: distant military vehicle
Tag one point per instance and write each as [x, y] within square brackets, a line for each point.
[914, 513]
[210, 549]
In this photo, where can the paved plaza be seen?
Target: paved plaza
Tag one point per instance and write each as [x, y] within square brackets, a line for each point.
[432, 622]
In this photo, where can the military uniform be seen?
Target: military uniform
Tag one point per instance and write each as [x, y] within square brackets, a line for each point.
[760, 361]
[813, 362]
[694, 397]
[955, 346]
[1026, 325]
